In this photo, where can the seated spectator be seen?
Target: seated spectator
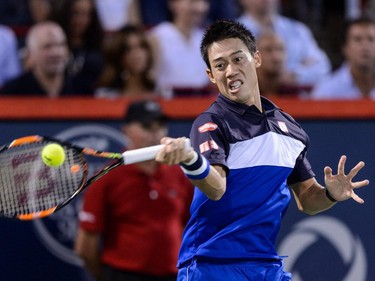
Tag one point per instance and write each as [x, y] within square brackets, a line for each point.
[9, 59]
[355, 79]
[24, 12]
[85, 36]
[128, 66]
[273, 79]
[305, 60]
[176, 47]
[48, 56]
[222, 9]
[115, 14]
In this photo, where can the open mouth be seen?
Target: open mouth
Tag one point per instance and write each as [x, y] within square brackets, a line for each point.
[235, 85]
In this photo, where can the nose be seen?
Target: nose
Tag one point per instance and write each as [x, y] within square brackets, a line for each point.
[232, 70]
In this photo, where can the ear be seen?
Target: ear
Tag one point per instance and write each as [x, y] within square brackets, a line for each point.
[257, 59]
[210, 76]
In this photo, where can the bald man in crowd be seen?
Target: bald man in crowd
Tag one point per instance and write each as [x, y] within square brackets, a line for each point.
[47, 57]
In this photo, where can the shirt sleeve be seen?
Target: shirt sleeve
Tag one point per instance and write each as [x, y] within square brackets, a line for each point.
[302, 170]
[208, 137]
[91, 217]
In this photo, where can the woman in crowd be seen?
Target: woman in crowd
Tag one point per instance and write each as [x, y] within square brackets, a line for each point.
[128, 66]
[85, 36]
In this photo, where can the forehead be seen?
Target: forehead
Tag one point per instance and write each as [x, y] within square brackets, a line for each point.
[49, 35]
[362, 29]
[269, 41]
[226, 48]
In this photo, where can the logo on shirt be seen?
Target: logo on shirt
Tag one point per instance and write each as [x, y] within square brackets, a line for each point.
[209, 126]
[208, 145]
[283, 126]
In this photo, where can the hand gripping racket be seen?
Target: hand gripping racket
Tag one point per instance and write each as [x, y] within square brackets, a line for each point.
[29, 189]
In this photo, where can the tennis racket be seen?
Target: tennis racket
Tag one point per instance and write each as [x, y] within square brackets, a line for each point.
[29, 189]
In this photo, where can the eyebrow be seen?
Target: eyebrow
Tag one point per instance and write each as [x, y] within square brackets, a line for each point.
[234, 53]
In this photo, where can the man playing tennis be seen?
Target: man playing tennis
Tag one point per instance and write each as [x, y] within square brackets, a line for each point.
[249, 153]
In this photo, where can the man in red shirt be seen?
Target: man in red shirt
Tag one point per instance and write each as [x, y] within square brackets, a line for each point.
[132, 219]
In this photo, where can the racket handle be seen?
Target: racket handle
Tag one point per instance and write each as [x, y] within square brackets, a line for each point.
[146, 153]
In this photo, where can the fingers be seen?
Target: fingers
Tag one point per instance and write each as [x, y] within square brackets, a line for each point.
[357, 198]
[341, 165]
[174, 151]
[359, 184]
[328, 172]
[353, 172]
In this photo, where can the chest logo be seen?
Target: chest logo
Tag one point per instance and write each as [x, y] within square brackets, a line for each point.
[209, 126]
[283, 126]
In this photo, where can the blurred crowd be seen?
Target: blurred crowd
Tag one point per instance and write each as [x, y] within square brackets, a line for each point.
[144, 48]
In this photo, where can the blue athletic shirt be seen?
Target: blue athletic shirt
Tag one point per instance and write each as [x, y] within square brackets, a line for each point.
[263, 153]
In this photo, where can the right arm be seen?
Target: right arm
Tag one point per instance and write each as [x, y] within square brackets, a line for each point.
[87, 247]
[174, 152]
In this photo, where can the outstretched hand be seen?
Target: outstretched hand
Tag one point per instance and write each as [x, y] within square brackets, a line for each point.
[340, 186]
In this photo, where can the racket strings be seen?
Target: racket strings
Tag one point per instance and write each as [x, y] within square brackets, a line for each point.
[28, 186]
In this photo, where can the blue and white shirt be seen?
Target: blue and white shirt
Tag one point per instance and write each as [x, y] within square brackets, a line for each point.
[263, 152]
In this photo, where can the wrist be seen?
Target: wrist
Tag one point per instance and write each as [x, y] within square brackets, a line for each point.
[197, 168]
[329, 196]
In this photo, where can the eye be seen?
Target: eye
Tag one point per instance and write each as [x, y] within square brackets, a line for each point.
[219, 65]
[238, 59]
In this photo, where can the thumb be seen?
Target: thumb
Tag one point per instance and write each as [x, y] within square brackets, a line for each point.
[327, 171]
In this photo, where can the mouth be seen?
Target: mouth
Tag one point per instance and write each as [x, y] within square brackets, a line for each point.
[234, 86]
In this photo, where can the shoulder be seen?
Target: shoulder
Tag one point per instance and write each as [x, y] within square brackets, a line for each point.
[23, 84]
[336, 84]
[162, 28]
[288, 24]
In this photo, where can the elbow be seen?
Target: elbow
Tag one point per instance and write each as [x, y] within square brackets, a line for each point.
[307, 211]
[217, 194]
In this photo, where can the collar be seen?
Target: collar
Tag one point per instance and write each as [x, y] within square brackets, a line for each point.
[241, 109]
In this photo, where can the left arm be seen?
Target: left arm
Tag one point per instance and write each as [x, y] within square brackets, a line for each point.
[311, 197]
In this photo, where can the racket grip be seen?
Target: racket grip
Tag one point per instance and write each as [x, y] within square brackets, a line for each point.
[146, 153]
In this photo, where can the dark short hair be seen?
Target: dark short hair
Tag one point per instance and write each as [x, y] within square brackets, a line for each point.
[226, 29]
[363, 20]
[144, 112]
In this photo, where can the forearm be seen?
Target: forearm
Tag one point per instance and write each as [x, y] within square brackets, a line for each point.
[214, 185]
[87, 247]
[94, 266]
[311, 197]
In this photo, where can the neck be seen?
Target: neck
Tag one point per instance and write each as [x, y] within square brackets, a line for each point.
[134, 86]
[148, 167]
[184, 28]
[52, 83]
[264, 18]
[364, 78]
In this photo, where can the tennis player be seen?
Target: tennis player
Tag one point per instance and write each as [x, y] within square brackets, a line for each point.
[248, 152]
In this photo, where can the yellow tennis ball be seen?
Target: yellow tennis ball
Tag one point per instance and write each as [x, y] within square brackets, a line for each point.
[53, 155]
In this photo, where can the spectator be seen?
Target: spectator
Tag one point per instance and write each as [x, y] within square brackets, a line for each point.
[9, 59]
[24, 12]
[80, 22]
[132, 219]
[48, 56]
[153, 12]
[222, 9]
[115, 14]
[128, 66]
[272, 78]
[355, 79]
[176, 47]
[306, 62]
